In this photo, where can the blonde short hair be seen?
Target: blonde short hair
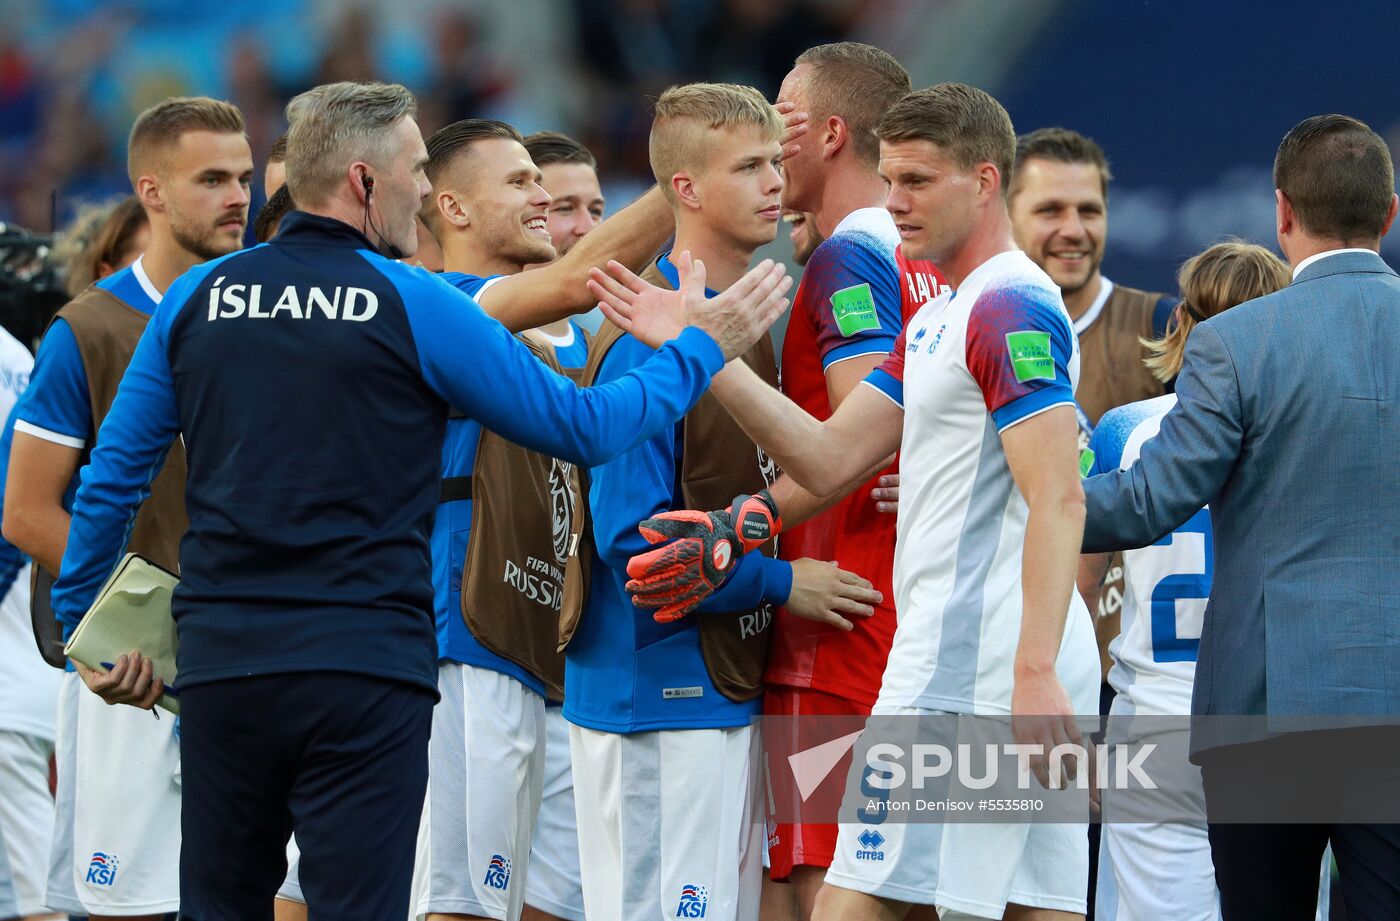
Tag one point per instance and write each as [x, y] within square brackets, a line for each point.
[684, 114]
[160, 127]
[1224, 276]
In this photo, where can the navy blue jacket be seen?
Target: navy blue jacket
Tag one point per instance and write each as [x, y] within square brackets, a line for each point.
[310, 378]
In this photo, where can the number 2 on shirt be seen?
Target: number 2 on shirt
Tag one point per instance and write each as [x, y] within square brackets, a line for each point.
[1167, 646]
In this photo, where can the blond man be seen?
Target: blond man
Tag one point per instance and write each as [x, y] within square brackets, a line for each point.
[663, 749]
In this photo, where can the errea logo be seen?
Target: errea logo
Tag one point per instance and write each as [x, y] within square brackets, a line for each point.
[870, 842]
[917, 341]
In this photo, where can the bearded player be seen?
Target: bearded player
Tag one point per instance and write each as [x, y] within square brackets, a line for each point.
[116, 840]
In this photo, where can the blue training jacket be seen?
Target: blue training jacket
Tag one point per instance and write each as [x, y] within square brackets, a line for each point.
[623, 671]
[310, 378]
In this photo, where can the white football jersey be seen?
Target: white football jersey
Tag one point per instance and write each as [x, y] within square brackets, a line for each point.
[1165, 585]
[28, 686]
[969, 365]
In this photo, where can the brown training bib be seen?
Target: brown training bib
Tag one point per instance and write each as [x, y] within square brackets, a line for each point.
[525, 580]
[106, 330]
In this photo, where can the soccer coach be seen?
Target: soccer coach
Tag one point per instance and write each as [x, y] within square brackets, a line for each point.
[311, 379]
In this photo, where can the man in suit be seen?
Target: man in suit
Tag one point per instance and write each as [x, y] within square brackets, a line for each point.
[1287, 426]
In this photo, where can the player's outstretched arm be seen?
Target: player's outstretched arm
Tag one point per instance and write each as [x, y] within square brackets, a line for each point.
[1042, 455]
[824, 458]
[821, 457]
[742, 312]
[631, 237]
[797, 505]
[546, 412]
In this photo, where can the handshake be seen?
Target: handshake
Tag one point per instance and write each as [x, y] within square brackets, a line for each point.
[700, 550]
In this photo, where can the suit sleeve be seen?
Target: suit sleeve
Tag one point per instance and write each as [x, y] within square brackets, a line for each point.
[1184, 467]
[641, 483]
[130, 450]
[476, 365]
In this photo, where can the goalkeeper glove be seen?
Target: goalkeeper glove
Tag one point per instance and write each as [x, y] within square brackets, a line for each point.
[699, 552]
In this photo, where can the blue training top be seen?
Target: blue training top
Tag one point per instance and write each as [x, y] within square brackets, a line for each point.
[57, 405]
[310, 378]
[452, 526]
[624, 672]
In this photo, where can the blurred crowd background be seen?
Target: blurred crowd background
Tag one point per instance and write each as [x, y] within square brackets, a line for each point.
[1188, 97]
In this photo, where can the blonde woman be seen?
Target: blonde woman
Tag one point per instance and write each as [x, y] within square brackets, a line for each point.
[1161, 871]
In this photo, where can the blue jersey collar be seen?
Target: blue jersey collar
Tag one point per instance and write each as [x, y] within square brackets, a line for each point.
[131, 286]
[673, 275]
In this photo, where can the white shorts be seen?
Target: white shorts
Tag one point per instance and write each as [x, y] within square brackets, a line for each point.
[969, 868]
[554, 884]
[291, 886]
[1157, 870]
[485, 775]
[670, 823]
[1148, 872]
[116, 841]
[26, 823]
[973, 868]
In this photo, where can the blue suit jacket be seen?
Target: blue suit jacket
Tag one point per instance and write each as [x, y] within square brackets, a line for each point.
[1288, 426]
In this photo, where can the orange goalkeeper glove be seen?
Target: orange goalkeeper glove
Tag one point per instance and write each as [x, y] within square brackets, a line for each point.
[698, 554]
